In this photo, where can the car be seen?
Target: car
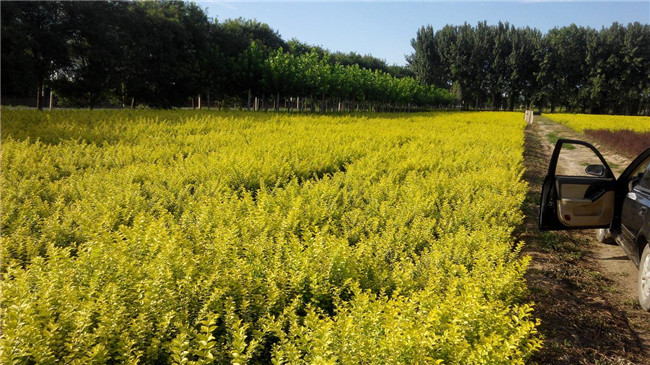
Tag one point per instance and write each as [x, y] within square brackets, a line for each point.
[595, 198]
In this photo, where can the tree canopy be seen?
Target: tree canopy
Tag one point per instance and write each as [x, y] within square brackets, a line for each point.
[574, 68]
[168, 54]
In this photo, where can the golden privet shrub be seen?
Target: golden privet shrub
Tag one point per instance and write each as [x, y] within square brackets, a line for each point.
[580, 122]
[195, 237]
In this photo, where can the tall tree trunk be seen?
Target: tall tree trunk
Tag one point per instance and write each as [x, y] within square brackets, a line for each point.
[322, 104]
[39, 93]
[133, 103]
[208, 95]
[277, 102]
[248, 104]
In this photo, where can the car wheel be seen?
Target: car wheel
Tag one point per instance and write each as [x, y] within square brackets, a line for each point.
[644, 279]
[603, 236]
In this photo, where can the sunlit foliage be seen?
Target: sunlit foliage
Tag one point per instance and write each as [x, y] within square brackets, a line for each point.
[580, 122]
[196, 237]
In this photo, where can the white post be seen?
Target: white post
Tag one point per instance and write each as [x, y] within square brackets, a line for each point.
[51, 99]
[529, 116]
[199, 101]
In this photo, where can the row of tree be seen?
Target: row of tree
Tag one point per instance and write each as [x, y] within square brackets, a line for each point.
[166, 54]
[314, 79]
[573, 68]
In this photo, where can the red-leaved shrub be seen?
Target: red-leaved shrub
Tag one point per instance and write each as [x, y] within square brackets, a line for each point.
[624, 141]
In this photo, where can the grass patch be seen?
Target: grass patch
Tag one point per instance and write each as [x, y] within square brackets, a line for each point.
[573, 255]
[552, 138]
[550, 241]
[632, 303]
[557, 242]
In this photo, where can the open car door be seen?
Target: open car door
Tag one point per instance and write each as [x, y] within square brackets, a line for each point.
[579, 189]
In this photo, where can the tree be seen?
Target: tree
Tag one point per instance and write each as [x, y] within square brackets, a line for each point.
[89, 76]
[522, 66]
[635, 79]
[429, 62]
[33, 46]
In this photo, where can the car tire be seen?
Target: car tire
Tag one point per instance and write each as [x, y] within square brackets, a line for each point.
[644, 278]
[603, 236]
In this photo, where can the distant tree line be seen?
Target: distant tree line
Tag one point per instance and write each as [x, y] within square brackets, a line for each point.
[572, 68]
[169, 54]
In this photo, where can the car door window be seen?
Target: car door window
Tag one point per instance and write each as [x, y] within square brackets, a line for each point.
[574, 159]
[645, 181]
[642, 167]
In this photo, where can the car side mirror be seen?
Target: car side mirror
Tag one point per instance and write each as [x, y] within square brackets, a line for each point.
[595, 170]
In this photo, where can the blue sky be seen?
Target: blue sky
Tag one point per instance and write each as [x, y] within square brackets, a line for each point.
[384, 29]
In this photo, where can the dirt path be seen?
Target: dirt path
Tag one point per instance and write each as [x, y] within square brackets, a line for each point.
[611, 258]
[585, 291]
[549, 132]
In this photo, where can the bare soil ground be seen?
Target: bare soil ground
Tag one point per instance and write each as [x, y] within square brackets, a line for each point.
[585, 291]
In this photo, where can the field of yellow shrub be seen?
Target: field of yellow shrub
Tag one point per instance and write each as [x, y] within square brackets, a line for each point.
[580, 122]
[197, 237]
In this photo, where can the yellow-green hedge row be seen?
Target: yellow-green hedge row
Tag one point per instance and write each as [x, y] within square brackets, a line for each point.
[209, 237]
[580, 122]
